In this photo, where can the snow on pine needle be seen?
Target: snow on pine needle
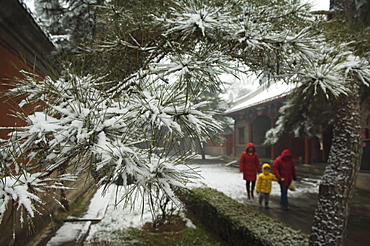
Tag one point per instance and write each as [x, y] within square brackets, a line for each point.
[195, 17]
[78, 128]
[330, 70]
[24, 189]
[320, 82]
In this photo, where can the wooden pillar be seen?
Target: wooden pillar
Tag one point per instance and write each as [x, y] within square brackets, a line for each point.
[307, 154]
[234, 138]
[322, 147]
[234, 145]
[250, 131]
[365, 133]
[272, 124]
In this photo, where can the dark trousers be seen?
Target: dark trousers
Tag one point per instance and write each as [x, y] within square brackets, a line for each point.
[284, 195]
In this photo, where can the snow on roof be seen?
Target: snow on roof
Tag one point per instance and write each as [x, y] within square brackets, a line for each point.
[262, 94]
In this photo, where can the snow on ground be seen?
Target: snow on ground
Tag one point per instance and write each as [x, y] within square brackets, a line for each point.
[226, 179]
[117, 218]
[230, 181]
[71, 231]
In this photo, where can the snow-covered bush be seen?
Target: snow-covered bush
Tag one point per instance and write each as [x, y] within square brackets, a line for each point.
[236, 222]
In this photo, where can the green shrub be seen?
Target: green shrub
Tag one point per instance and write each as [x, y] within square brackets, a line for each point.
[238, 223]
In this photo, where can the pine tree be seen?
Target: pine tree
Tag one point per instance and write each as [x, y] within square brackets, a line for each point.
[149, 63]
[338, 183]
[68, 22]
[330, 90]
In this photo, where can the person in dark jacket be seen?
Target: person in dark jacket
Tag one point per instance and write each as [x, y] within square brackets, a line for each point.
[284, 169]
[249, 164]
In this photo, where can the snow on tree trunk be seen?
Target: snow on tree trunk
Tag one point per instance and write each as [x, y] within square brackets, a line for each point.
[202, 150]
[338, 183]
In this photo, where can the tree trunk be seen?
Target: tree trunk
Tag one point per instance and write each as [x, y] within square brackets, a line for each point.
[338, 183]
[202, 151]
[351, 10]
[343, 9]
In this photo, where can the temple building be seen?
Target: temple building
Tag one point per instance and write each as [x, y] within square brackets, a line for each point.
[257, 112]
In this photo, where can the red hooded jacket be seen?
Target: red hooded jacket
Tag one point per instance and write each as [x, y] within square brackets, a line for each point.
[284, 168]
[249, 164]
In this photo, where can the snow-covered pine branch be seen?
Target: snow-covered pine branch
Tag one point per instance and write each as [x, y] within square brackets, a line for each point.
[158, 61]
[80, 128]
[26, 188]
[320, 82]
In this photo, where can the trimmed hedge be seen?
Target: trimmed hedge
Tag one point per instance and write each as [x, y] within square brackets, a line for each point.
[238, 223]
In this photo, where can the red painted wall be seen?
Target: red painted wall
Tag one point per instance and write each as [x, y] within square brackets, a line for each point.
[9, 66]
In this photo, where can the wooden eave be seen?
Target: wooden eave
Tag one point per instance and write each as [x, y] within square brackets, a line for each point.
[234, 113]
[21, 35]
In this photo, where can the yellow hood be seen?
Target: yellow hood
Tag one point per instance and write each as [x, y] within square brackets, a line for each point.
[263, 168]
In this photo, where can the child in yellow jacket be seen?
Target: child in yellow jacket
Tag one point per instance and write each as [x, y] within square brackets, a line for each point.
[264, 184]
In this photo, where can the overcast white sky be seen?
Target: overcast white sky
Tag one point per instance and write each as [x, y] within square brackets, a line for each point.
[318, 4]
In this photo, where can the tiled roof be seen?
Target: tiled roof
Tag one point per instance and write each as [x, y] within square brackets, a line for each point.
[21, 35]
[261, 95]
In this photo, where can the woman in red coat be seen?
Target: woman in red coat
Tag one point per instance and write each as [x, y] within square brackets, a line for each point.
[284, 170]
[249, 164]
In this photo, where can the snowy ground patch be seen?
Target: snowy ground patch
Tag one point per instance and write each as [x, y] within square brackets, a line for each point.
[223, 178]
